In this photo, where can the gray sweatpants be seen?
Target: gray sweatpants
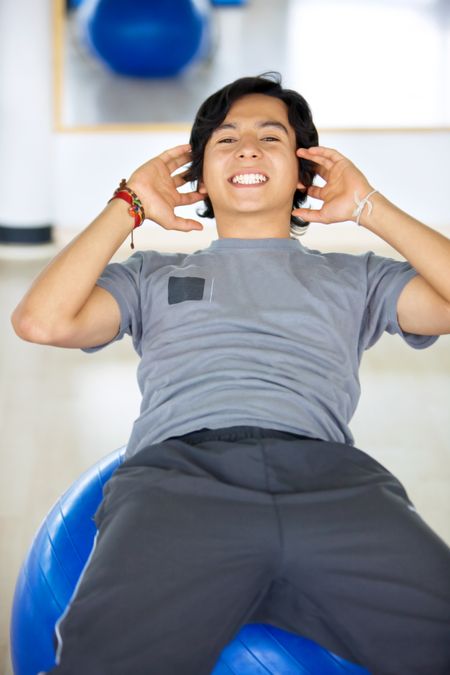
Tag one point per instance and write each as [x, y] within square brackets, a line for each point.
[201, 534]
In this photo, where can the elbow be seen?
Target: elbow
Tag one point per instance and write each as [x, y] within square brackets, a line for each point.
[41, 330]
[28, 328]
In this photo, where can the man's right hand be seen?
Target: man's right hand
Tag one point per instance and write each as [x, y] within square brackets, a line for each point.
[156, 187]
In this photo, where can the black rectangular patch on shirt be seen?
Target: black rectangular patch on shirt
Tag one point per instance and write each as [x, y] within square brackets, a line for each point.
[185, 288]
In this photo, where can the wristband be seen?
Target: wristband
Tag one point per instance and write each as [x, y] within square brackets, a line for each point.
[361, 204]
[136, 209]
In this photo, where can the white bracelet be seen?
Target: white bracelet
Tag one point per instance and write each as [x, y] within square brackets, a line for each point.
[360, 204]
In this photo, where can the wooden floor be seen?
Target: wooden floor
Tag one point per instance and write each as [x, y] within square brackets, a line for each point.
[61, 410]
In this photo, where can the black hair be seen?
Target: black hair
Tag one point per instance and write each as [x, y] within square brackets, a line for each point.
[213, 111]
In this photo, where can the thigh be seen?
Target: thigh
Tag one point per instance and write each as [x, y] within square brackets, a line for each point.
[180, 564]
[364, 575]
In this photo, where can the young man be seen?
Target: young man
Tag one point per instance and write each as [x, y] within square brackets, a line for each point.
[242, 497]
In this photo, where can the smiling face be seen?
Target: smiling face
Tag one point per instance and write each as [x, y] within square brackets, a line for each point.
[250, 169]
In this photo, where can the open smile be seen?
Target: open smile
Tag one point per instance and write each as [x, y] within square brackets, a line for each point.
[248, 179]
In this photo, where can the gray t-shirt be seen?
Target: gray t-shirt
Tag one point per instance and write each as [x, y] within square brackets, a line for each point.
[262, 332]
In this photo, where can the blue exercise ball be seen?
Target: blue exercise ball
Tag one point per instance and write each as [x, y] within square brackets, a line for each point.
[54, 563]
[50, 573]
[73, 4]
[146, 38]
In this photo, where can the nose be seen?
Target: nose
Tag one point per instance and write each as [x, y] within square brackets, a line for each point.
[248, 148]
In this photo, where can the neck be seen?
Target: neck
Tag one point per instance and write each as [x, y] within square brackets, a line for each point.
[252, 226]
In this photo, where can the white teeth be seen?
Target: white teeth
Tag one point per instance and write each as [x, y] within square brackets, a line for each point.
[249, 178]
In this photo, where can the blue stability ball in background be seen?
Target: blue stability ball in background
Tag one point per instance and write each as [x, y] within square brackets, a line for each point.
[228, 2]
[146, 38]
[73, 4]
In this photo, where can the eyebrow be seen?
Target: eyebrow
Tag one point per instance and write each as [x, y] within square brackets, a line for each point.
[260, 125]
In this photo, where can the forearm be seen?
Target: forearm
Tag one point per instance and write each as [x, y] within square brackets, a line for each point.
[63, 287]
[425, 249]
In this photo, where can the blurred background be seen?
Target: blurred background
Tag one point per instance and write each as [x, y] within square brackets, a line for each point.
[89, 91]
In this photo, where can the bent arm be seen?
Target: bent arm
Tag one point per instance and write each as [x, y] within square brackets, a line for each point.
[64, 307]
[424, 304]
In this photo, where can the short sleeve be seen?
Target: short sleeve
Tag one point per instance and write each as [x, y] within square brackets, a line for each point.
[386, 278]
[122, 280]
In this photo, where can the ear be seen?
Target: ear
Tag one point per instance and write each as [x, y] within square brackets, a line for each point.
[201, 188]
[300, 186]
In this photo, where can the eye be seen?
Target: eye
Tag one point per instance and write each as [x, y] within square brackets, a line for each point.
[226, 140]
[270, 138]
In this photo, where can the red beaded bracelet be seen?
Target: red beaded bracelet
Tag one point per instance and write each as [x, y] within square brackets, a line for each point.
[136, 209]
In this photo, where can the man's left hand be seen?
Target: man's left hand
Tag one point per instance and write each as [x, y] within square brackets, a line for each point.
[343, 180]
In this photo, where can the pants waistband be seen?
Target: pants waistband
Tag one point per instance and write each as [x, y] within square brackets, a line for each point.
[237, 433]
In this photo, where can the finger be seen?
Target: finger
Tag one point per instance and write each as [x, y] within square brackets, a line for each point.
[316, 192]
[176, 157]
[176, 163]
[321, 150]
[185, 224]
[322, 172]
[179, 180]
[309, 215]
[323, 161]
[182, 173]
[325, 157]
[186, 198]
[175, 152]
